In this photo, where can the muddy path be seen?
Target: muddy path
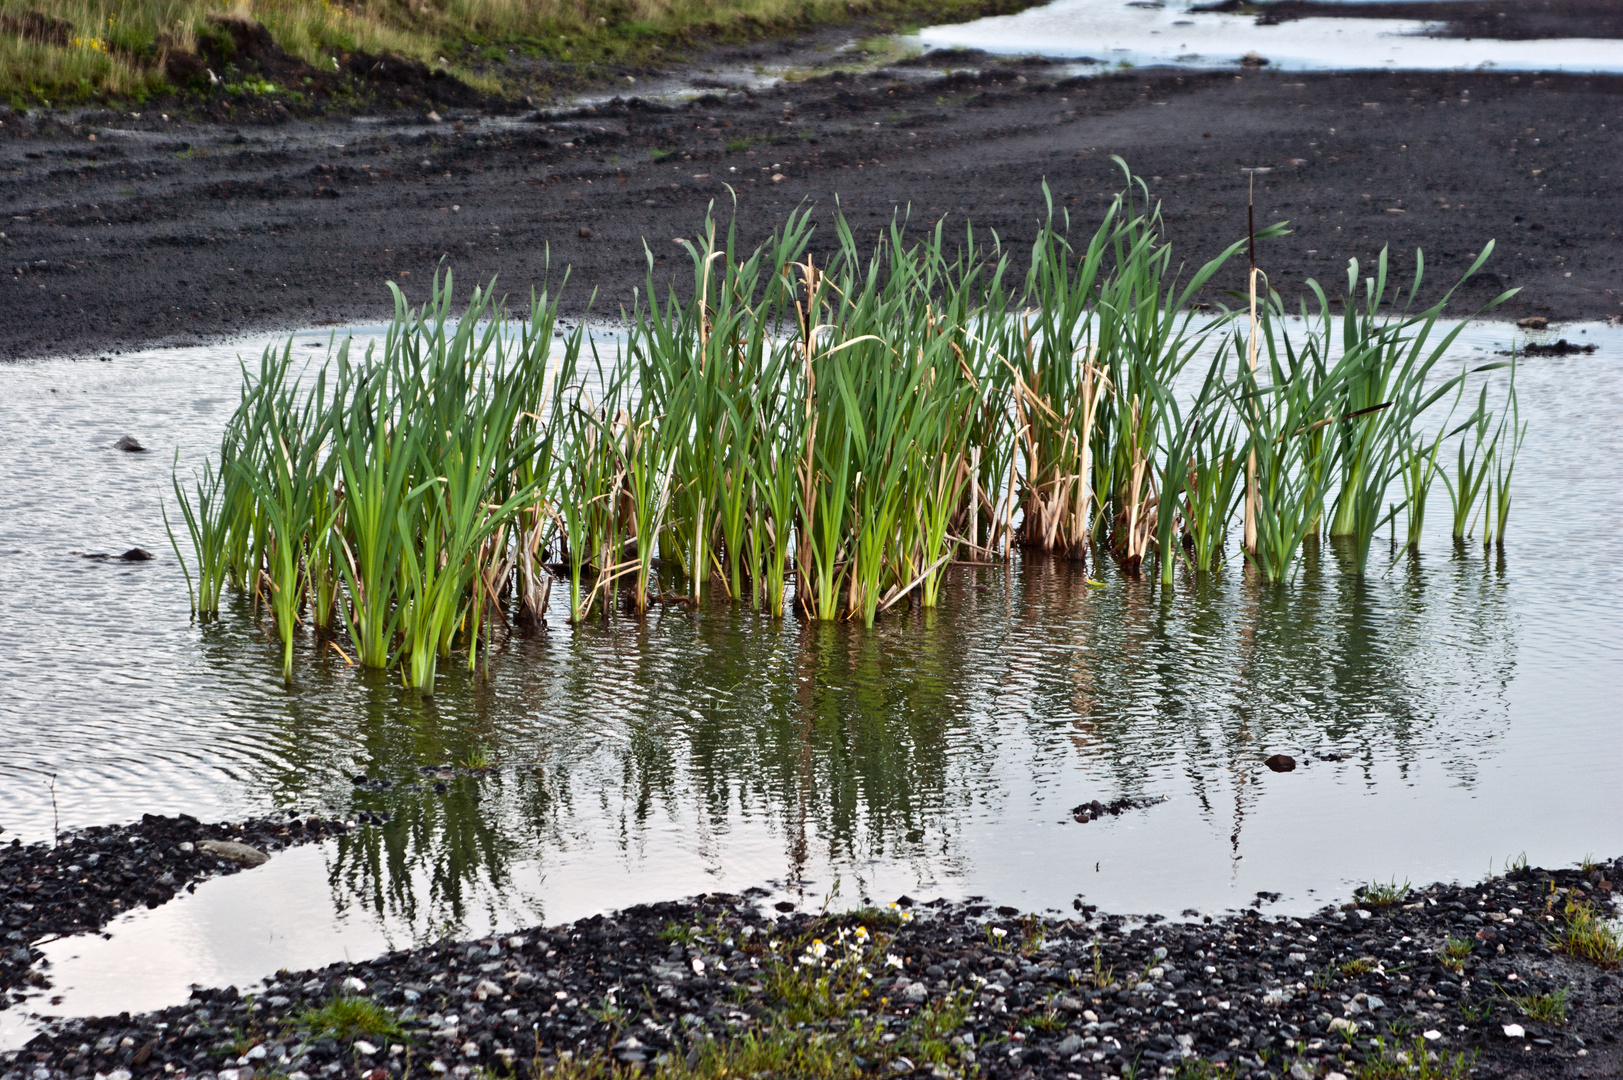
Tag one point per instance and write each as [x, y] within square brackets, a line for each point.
[166, 231]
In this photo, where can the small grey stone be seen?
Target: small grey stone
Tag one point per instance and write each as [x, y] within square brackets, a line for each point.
[234, 852]
[1071, 1044]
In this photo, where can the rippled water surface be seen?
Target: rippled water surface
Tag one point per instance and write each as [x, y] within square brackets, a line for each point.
[1449, 712]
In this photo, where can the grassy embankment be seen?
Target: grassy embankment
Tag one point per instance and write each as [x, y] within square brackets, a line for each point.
[66, 51]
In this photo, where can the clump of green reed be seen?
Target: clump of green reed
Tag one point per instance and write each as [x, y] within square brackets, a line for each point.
[369, 492]
[830, 438]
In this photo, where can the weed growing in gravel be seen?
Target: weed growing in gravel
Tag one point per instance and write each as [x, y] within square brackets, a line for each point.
[346, 1017]
[1032, 935]
[1378, 895]
[1454, 952]
[1587, 935]
[1363, 965]
[818, 1019]
[1198, 1068]
[1417, 1062]
[1545, 1008]
[1049, 1020]
[679, 934]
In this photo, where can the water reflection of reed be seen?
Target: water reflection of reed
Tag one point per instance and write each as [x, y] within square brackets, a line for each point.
[886, 746]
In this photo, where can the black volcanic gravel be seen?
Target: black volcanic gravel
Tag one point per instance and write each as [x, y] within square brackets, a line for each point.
[1088, 996]
[90, 876]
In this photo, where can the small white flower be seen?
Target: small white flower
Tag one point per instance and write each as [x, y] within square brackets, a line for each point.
[892, 960]
[999, 933]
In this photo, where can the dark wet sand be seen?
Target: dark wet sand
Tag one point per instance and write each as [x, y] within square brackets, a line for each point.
[181, 232]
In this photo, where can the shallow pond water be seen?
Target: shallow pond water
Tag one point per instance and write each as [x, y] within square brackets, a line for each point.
[1144, 33]
[1448, 712]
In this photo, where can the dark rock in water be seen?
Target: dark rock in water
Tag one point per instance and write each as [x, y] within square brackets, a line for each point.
[133, 555]
[1280, 762]
[129, 446]
[1093, 811]
[1563, 347]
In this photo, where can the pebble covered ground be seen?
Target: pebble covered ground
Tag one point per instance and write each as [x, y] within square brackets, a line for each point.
[86, 878]
[1438, 983]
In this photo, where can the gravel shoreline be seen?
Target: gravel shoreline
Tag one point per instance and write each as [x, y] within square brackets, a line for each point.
[90, 876]
[1434, 982]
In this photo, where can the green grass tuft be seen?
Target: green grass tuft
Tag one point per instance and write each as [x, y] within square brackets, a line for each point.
[1545, 1008]
[347, 1017]
[1379, 895]
[1454, 952]
[1587, 935]
[1413, 1062]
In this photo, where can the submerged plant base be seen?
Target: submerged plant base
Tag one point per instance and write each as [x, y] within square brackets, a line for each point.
[716, 986]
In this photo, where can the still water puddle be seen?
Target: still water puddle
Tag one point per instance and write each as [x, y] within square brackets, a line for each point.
[1448, 712]
[1143, 34]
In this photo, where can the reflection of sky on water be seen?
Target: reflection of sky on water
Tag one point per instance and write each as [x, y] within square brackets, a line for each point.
[1469, 699]
[1144, 34]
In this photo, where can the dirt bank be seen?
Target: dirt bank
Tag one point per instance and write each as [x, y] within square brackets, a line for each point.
[164, 232]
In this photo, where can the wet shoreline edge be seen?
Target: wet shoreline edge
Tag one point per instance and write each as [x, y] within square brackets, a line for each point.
[1450, 971]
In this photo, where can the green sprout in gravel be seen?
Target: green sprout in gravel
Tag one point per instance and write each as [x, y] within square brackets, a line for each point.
[1588, 935]
[1550, 1008]
[1416, 1062]
[1379, 895]
[347, 1017]
[819, 1019]
[1454, 952]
